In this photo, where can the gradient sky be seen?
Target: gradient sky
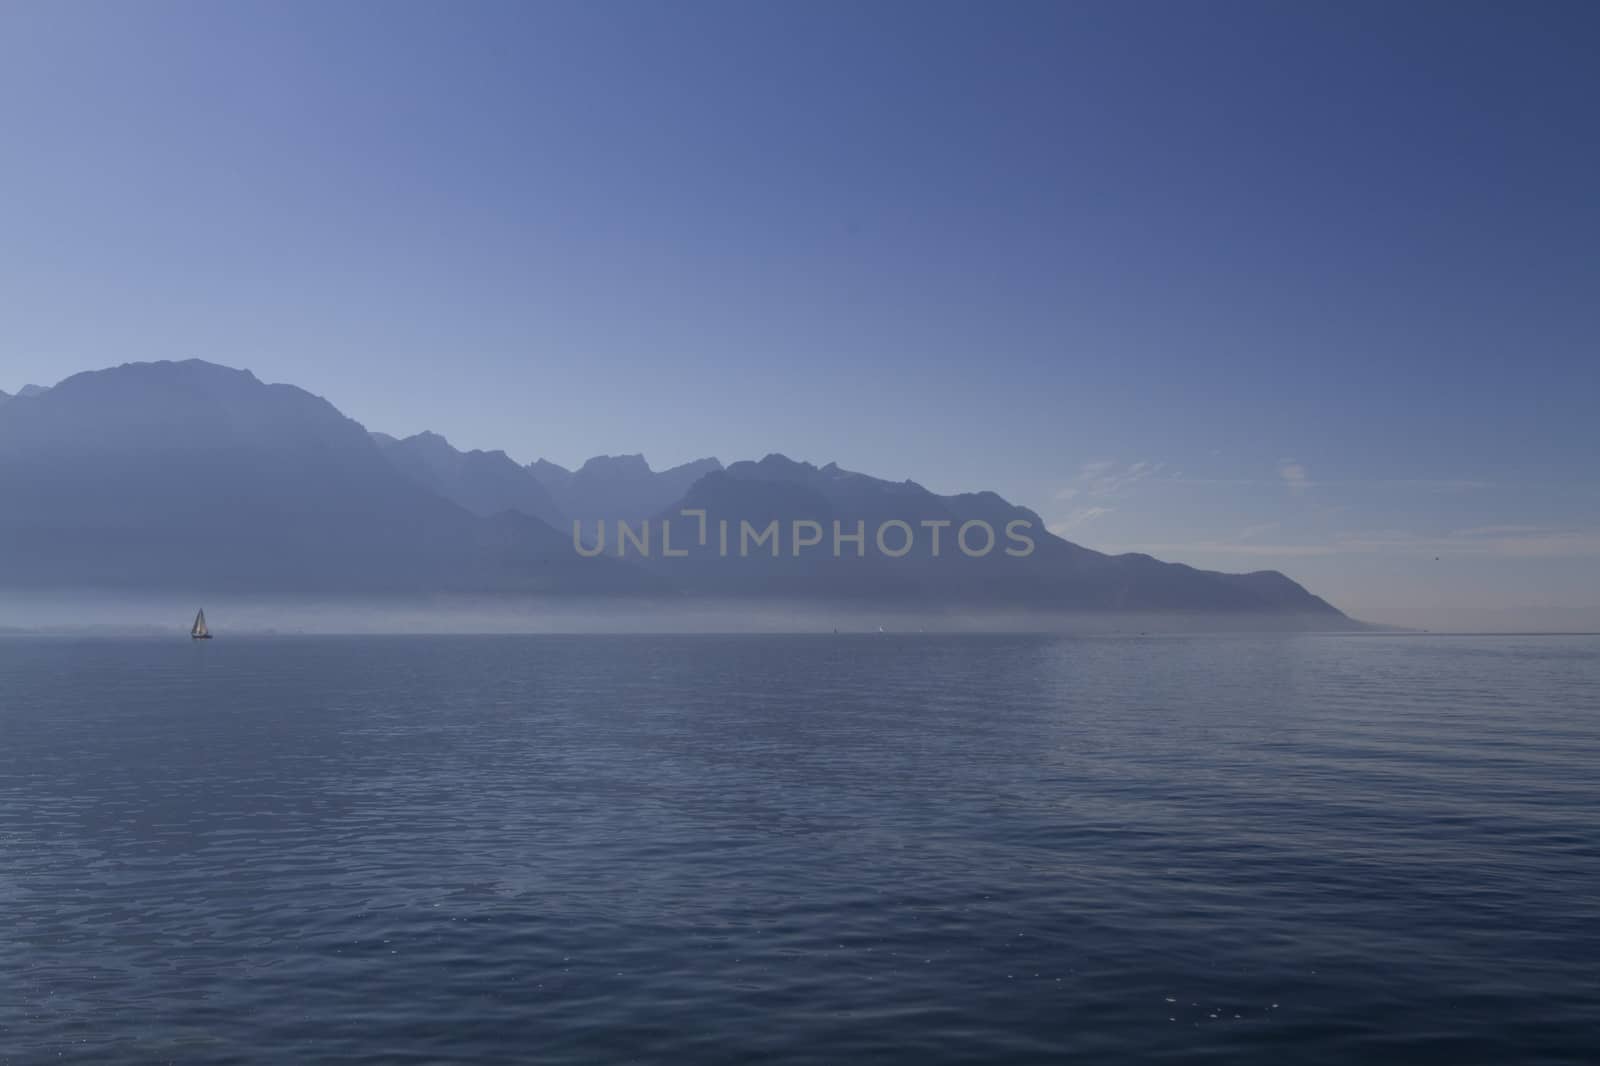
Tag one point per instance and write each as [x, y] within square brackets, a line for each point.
[1306, 286]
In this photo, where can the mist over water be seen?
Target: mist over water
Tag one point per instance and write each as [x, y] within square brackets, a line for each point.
[902, 848]
[143, 615]
[1525, 619]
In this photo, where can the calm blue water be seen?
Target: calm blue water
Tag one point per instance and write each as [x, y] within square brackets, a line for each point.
[775, 849]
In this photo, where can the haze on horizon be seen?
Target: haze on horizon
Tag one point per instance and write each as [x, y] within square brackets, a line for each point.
[1244, 286]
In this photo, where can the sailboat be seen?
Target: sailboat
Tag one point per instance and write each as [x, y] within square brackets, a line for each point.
[199, 631]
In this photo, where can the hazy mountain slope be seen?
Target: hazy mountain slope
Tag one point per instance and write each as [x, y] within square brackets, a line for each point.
[194, 476]
[191, 476]
[484, 483]
[1056, 574]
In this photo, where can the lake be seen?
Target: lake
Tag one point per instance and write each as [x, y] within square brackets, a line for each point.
[915, 849]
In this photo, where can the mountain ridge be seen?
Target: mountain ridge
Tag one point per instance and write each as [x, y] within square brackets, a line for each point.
[617, 487]
[484, 482]
[1051, 571]
[194, 474]
[190, 475]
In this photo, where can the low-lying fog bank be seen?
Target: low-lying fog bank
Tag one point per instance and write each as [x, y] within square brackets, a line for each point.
[88, 614]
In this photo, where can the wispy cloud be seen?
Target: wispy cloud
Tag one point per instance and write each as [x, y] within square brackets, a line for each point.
[1293, 475]
[1258, 530]
[1519, 541]
[1078, 518]
[1498, 531]
[1179, 550]
[1097, 485]
[1437, 484]
[1290, 471]
[1106, 478]
[1505, 541]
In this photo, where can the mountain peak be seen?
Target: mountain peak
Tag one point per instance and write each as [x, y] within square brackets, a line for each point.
[616, 464]
[548, 473]
[433, 445]
[696, 466]
[164, 371]
[776, 465]
[170, 403]
[485, 483]
[618, 487]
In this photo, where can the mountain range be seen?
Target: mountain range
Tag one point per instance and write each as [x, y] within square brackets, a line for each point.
[189, 476]
[618, 487]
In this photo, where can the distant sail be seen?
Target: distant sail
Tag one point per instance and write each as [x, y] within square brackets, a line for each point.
[200, 632]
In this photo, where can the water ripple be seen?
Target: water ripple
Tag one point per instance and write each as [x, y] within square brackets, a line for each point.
[907, 849]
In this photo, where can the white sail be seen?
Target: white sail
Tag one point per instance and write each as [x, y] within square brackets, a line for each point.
[200, 629]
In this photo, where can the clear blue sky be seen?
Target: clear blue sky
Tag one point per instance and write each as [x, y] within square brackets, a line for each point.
[1307, 286]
